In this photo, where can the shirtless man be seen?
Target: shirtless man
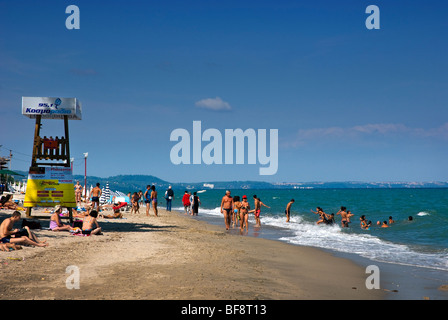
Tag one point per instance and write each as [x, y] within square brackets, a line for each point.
[227, 206]
[95, 195]
[288, 209]
[257, 210]
[10, 235]
[78, 192]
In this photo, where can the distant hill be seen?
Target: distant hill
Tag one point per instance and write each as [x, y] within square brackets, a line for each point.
[132, 183]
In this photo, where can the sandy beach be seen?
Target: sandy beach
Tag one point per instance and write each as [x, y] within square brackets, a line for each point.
[175, 257]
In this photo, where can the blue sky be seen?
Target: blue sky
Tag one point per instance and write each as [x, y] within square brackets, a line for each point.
[349, 103]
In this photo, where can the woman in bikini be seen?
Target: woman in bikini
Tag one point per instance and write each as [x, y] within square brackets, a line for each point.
[244, 214]
[90, 225]
[236, 210]
[154, 199]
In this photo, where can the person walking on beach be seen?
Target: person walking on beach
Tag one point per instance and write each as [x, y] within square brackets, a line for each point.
[154, 200]
[236, 210]
[195, 204]
[244, 214]
[257, 210]
[147, 197]
[169, 196]
[288, 209]
[227, 208]
[78, 192]
[134, 200]
[186, 202]
[95, 195]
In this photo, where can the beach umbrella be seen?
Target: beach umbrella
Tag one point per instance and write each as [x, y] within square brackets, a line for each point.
[105, 194]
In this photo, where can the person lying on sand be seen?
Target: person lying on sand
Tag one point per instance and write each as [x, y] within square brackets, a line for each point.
[7, 203]
[9, 246]
[117, 215]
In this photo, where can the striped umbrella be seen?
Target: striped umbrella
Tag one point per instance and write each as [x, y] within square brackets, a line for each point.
[105, 194]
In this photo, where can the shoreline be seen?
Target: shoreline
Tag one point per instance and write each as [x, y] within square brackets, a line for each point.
[400, 282]
[173, 257]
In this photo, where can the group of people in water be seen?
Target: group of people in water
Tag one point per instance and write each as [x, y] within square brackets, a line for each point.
[345, 219]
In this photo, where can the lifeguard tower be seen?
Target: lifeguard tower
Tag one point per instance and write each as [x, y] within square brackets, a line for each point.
[50, 179]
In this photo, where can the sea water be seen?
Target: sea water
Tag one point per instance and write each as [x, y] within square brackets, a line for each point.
[422, 242]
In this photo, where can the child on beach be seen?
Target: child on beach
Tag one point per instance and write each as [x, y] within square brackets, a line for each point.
[236, 210]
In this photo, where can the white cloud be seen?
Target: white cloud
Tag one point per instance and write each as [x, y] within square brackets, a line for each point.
[305, 136]
[215, 104]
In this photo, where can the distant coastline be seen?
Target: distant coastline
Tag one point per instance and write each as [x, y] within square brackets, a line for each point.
[131, 183]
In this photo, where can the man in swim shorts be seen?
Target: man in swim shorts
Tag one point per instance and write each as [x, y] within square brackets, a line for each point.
[227, 208]
[95, 195]
[10, 235]
[288, 209]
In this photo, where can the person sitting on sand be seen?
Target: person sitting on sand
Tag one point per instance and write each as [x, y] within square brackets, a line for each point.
[55, 221]
[90, 224]
[117, 215]
[18, 236]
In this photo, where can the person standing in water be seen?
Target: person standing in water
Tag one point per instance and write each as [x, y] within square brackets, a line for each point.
[257, 210]
[288, 209]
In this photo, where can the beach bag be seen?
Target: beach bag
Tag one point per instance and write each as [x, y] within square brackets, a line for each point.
[32, 224]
